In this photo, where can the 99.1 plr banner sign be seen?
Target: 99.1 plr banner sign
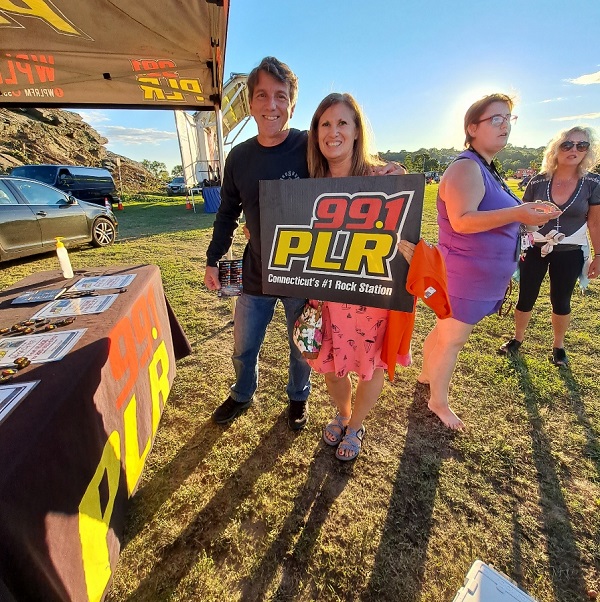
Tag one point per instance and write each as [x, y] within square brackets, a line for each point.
[335, 239]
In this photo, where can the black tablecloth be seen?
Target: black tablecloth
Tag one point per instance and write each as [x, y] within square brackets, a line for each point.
[73, 450]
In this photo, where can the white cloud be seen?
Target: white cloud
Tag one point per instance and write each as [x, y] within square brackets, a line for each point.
[554, 99]
[581, 117]
[136, 136]
[93, 117]
[587, 79]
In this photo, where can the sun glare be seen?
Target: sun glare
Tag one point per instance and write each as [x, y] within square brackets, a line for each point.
[452, 134]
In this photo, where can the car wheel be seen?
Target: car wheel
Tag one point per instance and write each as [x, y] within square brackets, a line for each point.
[103, 232]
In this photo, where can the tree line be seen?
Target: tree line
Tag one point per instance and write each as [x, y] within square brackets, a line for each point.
[159, 169]
[508, 160]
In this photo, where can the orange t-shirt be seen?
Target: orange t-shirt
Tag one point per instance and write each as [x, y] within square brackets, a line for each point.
[396, 342]
[427, 280]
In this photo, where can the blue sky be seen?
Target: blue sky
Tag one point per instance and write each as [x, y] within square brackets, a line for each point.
[413, 66]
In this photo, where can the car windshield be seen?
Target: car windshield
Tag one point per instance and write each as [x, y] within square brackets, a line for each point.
[41, 173]
[177, 180]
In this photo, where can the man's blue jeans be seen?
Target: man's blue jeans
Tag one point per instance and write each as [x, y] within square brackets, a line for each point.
[253, 313]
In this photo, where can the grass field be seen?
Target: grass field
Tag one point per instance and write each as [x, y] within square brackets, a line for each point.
[253, 512]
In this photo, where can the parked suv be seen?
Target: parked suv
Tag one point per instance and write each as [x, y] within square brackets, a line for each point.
[91, 184]
[176, 186]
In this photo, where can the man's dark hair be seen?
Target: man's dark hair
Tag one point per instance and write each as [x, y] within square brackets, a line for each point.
[280, 71]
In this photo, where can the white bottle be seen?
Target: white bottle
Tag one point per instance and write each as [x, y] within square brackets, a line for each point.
[63, 258]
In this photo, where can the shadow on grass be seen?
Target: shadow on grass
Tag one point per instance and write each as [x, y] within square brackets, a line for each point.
[217, 332]
[592, 448]
[326, 481]
[400, 561]
[177, 558]
[563, 556]
[149, 498]
[517, 554]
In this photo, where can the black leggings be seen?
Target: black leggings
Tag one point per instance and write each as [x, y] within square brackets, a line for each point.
[564, 268]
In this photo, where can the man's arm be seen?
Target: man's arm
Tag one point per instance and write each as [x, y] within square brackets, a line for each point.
[211, 278]
[226, 222]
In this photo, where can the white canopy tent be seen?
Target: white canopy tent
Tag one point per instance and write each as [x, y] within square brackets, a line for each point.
[198, 133]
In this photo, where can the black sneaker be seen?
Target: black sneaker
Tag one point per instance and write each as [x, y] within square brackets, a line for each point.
[229, 410]
[559, 357]
[297, 414]
[510, 347]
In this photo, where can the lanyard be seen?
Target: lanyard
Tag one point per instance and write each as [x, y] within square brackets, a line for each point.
[491, 167]
[524, 240]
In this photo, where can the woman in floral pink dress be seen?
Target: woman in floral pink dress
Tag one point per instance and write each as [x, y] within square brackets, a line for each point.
[352, 334]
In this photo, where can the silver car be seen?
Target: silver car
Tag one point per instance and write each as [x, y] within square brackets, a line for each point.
[33, 214]
[176, 186]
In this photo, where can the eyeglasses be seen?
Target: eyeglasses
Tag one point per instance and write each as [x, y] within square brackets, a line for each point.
[582, 146]
[498, 120]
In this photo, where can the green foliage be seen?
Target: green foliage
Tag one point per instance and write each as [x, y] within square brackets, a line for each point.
[177, 171]
[433, 159]
[408, 160]
[514, 157]
[430, 159]
[157, 169]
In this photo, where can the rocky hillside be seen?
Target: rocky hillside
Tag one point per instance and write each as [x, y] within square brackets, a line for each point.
[62, 137]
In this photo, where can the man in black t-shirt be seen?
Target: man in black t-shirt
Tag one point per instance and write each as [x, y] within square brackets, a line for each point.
[277, 152]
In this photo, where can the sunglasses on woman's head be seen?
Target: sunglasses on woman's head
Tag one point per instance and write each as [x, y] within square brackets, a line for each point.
[567, 145]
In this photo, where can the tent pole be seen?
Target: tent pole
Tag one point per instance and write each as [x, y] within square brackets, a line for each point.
[220, 140]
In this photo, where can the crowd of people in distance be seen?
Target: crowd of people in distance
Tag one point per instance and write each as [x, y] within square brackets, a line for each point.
[485, 232]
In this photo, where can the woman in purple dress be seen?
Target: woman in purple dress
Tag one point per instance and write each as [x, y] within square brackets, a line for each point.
[478, 220]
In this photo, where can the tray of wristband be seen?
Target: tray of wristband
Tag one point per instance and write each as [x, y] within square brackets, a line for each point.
[24, 328]
[35, 326]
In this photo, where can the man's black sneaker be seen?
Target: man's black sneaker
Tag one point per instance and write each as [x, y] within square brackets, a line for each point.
[297, 414]
[229, 410]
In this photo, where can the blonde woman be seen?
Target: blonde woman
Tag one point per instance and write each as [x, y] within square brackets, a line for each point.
[561, 244]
